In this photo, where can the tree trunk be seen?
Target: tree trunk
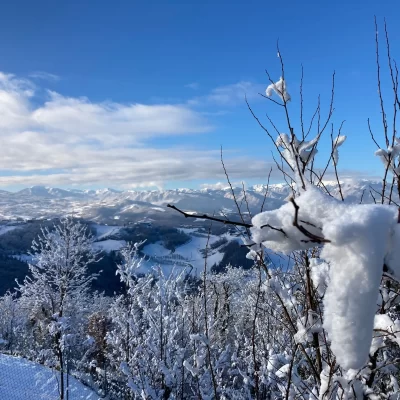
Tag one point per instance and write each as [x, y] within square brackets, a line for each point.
[61, 360]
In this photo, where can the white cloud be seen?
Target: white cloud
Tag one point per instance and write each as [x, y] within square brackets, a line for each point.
[123, 167]
[113, 122]
[229, 95]
[193, 85]
[15, 97]
[73, 141]
[46, 76]
[220, 185]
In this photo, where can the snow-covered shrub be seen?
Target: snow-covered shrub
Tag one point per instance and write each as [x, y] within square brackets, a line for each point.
[55, 297]
[339, 304]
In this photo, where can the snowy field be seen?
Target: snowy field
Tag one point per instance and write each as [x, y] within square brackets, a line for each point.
[24, 380]
[167, 269]
[108, 245]
[189, 254]
[156, 250]
[104, 231]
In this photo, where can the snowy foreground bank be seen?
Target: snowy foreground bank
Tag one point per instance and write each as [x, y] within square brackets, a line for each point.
[21, 379]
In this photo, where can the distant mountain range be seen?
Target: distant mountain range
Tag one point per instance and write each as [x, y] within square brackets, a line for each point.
[104, 205]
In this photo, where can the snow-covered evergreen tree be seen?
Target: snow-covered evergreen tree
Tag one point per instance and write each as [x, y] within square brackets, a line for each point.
[55, 293]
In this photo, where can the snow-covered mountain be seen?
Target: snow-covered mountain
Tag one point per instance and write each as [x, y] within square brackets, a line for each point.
[108, 204]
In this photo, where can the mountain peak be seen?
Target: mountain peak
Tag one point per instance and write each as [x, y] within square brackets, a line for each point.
[42, 201]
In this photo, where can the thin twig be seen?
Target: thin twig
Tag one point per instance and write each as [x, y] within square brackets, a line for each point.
[267, 132]
[317, 110]
[275, 229]
[372, 135]
[331, 108]
[270, 99]
[301, 104]
[362, 196]
[245, 200]
[380, 194]
[373, 197]
[233, 194]
[266, 191]
[304, 231]
[378, 67]
[334, 161]
[205, 216]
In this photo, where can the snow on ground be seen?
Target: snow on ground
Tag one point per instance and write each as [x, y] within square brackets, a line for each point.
[188, 230]
[191, 249]
[191, 252]
[7, 228]
[21, 379]
[104, 231]
[158, 209]
[194, 266]
[108, 245]
[188, 255]
[199, 262]
[156, 250]
[149, 265]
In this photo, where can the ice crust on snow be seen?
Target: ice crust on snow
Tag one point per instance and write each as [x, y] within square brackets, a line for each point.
[357, 249]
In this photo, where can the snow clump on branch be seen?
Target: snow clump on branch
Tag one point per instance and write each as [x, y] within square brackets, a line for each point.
[358, 241]
[389, 156]
[280, 89]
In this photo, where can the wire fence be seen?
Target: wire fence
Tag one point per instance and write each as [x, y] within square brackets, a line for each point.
[21, 379]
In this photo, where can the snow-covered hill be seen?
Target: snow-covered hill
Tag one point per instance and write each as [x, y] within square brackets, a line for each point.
[190, 255]
[21, 379]
[108, 204]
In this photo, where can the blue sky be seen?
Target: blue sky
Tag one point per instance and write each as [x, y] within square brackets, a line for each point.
[142, 94]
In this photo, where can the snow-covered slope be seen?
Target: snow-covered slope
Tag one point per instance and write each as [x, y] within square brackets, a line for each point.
[107, 204]
[21, 379]
[108, 245]
[190, 255]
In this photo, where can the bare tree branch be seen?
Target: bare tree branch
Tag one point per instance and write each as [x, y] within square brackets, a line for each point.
[304, 231]
[266, 191]
[205, 216]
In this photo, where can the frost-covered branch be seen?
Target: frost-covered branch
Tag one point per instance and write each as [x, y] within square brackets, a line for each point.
[209, 217]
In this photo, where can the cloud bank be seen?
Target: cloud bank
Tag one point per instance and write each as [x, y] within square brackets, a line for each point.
[75, 142]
